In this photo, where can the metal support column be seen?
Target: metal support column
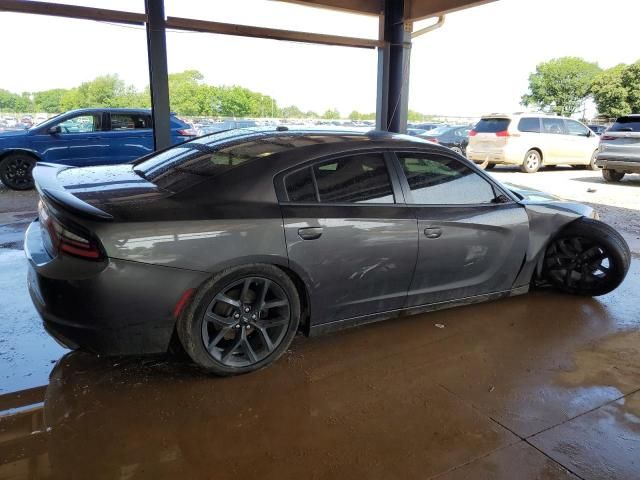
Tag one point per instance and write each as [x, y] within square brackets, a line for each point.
[392, 105]
[158, 72]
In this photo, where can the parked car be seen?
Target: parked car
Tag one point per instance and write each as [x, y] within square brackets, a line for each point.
[81, 137]
[233, 242]
[227, 125]
[531, 141]
[415, 131]
[454, 137]
[598, 129]
[619, 151]
[427, 126]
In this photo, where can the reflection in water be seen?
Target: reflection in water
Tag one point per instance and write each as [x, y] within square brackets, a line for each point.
[400, 399]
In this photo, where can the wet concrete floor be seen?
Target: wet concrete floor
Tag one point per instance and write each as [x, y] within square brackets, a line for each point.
[543, 386]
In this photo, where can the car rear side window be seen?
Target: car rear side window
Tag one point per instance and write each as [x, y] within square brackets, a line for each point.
[492, 125]
[353, 179]
[300, 186]
[130, 121]
[626, 124]
[436, 180]
[529, 124]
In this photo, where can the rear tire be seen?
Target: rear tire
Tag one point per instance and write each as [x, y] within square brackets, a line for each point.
[612, 175]
[587, 257]
[241, 320]
[532, 162]
[458, 150]
[15, 171]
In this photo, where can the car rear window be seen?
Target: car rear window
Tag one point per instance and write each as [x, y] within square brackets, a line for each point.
[492, 125]
[626, 124]
[529, 124]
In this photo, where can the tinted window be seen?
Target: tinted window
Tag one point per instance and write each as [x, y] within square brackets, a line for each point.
[626, 124]
[130, 121]
[553, 125]
[354, 179]
[529, 124]
[443, 181]
[86, 123]
[300, 187]
[492, 125]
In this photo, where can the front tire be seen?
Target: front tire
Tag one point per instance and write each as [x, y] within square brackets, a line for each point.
[15, 171]
[612, 175]
[532, 162]
[241, 320]
[587, 257]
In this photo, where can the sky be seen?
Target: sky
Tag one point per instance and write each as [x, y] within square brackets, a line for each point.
[477, 63]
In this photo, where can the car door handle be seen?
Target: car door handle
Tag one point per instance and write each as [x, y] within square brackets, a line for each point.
[432, 232]
[310, 233]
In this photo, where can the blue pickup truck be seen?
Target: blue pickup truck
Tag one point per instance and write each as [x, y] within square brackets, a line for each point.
[92, 136]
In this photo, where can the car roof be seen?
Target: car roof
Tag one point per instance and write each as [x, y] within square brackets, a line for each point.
[113, 110]
[522, 114]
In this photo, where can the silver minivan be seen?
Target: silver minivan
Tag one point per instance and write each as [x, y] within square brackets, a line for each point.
[619, 151]
[531, 141]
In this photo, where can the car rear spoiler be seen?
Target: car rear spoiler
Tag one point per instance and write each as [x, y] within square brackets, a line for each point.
[48, 186]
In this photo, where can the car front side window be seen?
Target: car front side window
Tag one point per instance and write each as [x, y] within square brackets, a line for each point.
[576, 128]
[86, 123]
[437, 180]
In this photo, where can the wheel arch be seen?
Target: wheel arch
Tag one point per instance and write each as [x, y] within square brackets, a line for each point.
[23, 151]
[539, 150]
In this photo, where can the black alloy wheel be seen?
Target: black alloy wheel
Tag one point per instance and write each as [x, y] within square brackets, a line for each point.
[246, 321]
[589, 258]
[15, 171]
[241, 320]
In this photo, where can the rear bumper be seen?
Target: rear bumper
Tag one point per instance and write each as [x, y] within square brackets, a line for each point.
[115, 307]
[618, 164]
[503, 155]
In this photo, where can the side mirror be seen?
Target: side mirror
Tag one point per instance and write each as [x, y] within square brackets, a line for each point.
[55, 130]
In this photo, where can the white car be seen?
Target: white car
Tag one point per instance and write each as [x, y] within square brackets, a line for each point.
[531, 141]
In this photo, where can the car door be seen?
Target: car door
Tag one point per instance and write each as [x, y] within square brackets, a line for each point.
[75, 140]
[129, 136]
[472, 237]
[581, 141]
[347, 228]
[556, 145]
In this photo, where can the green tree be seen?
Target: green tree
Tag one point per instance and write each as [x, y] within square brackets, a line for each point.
[331, 114]
[609, 93]
[12, 102]
[355, 115]
[560, 85]
[291, 112]
[49, 101]
[631, 81]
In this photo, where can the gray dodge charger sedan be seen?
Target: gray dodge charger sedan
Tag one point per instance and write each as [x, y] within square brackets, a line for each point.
[230, 244]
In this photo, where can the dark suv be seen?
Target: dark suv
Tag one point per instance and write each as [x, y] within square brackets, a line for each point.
[91, 136]
[619, 151]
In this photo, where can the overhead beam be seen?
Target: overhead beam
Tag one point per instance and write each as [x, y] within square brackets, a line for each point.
[72, 11]
[367, 7]
[193, 25]
[421, 9]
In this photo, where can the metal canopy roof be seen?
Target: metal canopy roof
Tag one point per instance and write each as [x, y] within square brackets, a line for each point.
[415, 9]
[396, 18]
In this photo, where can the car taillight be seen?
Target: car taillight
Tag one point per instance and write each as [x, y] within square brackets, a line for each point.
[62, 239]
[608, 137]
[432, 139]
[473, 133]
[187, 132]
[503, 133]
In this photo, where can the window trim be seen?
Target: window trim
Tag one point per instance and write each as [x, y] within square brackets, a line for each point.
[396, 189]
[408, 195]
[526, 118]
